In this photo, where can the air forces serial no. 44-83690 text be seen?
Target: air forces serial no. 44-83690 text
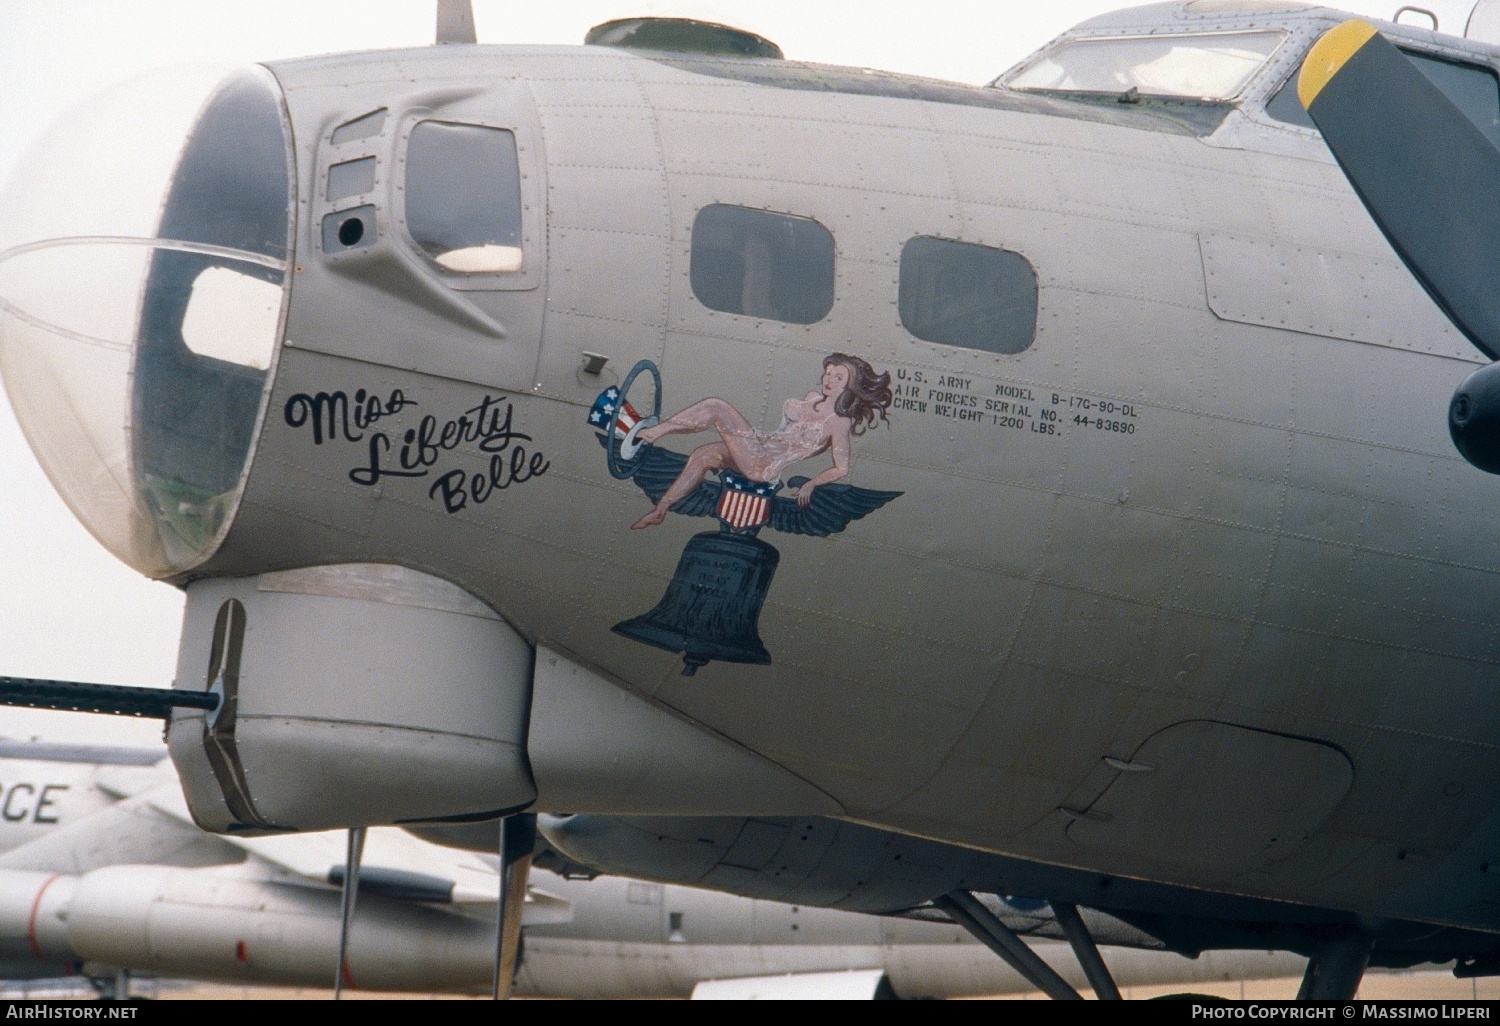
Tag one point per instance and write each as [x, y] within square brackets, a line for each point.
[1041, 488]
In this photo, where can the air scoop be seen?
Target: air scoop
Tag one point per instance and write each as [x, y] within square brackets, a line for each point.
[144, 251]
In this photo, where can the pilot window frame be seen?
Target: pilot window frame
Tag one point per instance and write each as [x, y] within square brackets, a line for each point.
[703, 254]
[944, 248]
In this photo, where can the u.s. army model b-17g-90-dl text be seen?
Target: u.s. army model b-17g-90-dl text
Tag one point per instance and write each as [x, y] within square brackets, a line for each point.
[1041, 488]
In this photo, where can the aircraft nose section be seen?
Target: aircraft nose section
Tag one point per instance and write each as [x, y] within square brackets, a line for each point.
[144, 272]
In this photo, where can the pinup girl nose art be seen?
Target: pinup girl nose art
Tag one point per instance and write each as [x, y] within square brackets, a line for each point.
[712, 605]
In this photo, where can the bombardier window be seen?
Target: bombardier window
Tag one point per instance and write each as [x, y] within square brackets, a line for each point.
[463, 196]
[960, 294]
[1473, 90]
[760, 264]
[1210, 67]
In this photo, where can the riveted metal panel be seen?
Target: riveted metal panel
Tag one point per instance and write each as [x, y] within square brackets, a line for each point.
[1318, 291]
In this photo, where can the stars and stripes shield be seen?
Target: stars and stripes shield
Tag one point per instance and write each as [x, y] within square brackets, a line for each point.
[744, 503]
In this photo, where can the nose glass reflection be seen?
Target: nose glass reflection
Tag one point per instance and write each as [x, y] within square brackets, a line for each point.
[138, 362]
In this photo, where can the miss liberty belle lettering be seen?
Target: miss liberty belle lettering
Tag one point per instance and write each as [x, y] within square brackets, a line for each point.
[333, 417]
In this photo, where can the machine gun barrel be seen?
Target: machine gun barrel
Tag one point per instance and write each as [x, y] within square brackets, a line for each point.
[113, 699]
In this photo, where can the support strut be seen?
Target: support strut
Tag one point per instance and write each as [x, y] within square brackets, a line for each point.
[1085, 950]
[1336, 968]
[352, 856]
[965, 910]
[517, 839]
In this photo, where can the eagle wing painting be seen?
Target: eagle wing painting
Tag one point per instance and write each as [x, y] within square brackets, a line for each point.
[832, 508]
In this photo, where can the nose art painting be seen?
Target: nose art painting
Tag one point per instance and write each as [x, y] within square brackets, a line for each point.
[711, 609]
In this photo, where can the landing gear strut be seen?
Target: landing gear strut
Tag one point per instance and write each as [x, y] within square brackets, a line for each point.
[1086, 951]
[965, 910]
[1336, 968]
[349, 891]
[517, 839]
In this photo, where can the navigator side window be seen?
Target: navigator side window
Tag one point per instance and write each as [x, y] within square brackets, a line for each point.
[1473, 90]
[960, 294]
[463, 197]
[760, 264]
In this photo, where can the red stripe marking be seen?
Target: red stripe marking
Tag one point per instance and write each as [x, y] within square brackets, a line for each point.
[348, 978]
[36, 903]
[741, 509]
[626, 420]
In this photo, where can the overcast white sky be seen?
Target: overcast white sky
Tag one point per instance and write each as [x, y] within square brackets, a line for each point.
[68, 609]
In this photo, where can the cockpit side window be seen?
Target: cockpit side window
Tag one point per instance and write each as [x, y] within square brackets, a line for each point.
[1215, 66]
[463, 197]
[1286, 107]
[761, 264]
[1472, 88]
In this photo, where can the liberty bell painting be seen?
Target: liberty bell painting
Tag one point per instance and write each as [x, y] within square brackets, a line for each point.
[712, 606]
[711, 609]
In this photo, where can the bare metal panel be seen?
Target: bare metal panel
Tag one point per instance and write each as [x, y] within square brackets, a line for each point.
[650, 761]
[1169, 805]
[483, 327]
[1281, 284]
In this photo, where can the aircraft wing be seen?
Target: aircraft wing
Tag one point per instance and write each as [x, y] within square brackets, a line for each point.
[395, 864]
[1426, 173]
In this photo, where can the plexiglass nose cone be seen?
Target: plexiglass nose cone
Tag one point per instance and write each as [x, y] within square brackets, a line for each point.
[144, 248]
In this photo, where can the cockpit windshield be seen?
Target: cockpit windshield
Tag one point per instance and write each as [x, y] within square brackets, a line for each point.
[1213, 66]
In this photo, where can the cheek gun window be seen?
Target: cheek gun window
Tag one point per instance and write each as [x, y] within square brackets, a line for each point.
[463, 197]
[760, 264]
[960, 294]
